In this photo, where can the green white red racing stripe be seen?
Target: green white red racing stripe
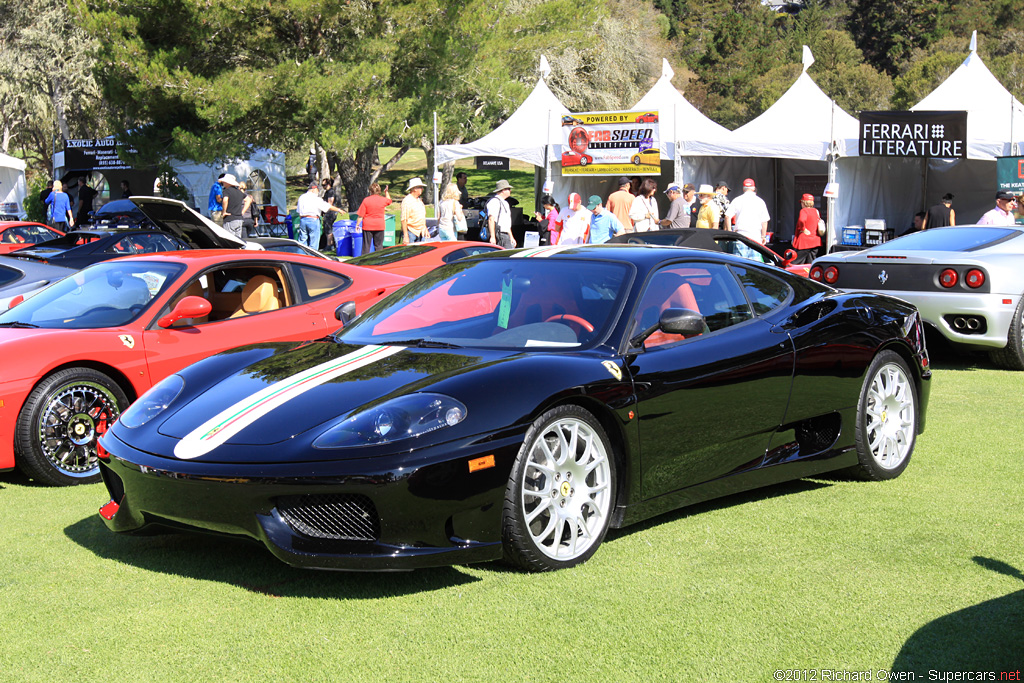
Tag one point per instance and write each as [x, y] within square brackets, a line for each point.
[231, 421]
[542, 252]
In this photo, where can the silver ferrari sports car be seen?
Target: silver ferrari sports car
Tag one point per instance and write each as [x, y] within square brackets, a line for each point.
[967, 282]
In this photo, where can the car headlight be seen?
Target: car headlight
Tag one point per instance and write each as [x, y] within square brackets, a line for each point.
[153, 402]
[400, 418]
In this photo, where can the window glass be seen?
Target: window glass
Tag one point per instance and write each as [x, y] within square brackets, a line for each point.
[709, 289]
[237, 291]
[8, 275]
[314, 282]
[390, 255]
[948, 239]
[764, 291]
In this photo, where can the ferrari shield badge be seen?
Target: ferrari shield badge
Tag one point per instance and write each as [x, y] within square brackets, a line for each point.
[611, 367]
[128, 340]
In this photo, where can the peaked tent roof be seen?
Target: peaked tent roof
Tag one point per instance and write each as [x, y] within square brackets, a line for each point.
[522, 136]
[11, 162]
[678, 119]
[802, 124]
[995, 118]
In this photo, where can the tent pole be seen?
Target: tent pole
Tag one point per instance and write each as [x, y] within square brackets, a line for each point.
[434, 179]
[924, 182]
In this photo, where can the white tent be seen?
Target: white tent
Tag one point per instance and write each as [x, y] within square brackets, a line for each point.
[264, 167]
[523, 136]
[13, 189]
[895, 189]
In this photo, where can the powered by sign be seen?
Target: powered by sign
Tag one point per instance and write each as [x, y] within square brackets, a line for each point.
[932, 134]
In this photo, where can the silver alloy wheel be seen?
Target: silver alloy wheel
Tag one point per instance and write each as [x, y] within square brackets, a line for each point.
[566, 492]
[889, 416]
[70, 423]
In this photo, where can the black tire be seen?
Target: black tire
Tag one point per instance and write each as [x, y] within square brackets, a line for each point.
[888, 415]
[1011, 356]
[57, 428]
[557, 518]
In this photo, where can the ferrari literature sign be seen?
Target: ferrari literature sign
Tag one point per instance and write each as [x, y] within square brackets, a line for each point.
[610, 143]
[929, 134]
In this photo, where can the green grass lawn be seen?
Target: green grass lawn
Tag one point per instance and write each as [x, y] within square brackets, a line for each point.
[924, 572]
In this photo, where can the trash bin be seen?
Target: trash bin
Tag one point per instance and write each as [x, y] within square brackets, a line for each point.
[289, 223]
[390, 231]
[347, 237]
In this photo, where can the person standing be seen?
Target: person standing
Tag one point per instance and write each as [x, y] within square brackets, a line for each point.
[1002, 214]
[86, 195]
[414, 213]
[44, 197]
[644, 211]
[576, 226]
[692, 205]
[707, 214]
[499, 216]
[125, 190]
[942, 214]
[722, 202]
[751, 214]
[60, 205]
[447, 211]
[235, 206]
[551, 220]
[251, 218]
[678, 210]
[371, 218]
[309, 207]
[216, 201]
[807, 240]
[329, 196]
[603, 223]
[461, 179]
[620, 201]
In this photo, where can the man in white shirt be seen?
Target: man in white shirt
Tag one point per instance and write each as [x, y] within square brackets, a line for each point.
[1003, 213]
[310, 206]
[576, 227]
[751, 214]
[499, 217]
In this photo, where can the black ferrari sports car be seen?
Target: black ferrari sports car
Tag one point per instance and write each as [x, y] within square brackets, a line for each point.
[519, 403]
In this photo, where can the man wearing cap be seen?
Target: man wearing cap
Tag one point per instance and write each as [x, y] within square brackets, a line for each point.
[692, 205]
[310, 206]
[235, 205]
[215, 204]
[751, 214]
[678, 211]
[1003, 213]
[603, 223]
[722, 202]
[942, 214]
[414, 214]
[620, 202]
[499, 217]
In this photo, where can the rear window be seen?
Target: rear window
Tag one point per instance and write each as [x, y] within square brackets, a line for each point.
[8, 275]
[390, 255]
[949, 239]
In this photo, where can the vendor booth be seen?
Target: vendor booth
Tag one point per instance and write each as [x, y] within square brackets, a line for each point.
[12, 189]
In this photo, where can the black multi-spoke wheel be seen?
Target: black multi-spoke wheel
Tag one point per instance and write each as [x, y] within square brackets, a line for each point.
[560, 493]
[58, 426]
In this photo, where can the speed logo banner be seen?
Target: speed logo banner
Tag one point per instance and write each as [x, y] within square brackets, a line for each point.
[611, 143]
[929, 134]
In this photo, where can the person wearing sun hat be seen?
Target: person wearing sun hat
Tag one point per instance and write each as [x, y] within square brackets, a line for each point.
[707, 215]
[414, 214]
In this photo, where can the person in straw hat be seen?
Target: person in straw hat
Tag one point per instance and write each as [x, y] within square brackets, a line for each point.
[707, 215]
[414, 213]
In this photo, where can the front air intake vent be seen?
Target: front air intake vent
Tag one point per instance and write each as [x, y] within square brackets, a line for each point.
[335, 516]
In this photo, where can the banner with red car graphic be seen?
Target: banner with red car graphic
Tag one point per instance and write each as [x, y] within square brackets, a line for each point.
[610, 143]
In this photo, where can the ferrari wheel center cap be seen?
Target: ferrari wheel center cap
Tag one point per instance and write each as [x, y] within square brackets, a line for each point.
[81, 429]
[565, 489]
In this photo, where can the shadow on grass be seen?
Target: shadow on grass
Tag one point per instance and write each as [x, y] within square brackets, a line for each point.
[248, 565]
[944, 356]
[985, 637]
[17, 478]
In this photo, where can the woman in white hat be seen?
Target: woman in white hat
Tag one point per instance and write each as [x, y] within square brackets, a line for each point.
[707, 216]
[414, 213]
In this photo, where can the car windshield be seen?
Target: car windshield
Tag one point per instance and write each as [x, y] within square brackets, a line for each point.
[499, 303]
[107, 294]
[948, 239]
[121, 208]
[390, 255]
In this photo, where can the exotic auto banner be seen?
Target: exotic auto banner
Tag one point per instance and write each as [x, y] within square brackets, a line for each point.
[611, 143]
[932, 134]
[97, 154]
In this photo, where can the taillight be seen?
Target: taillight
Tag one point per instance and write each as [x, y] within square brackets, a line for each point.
[974, 278]
[815, 273]
[831, 275]
[948, 278]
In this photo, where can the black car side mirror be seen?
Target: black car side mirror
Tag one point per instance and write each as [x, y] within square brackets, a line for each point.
[345, 312]
[681, 321]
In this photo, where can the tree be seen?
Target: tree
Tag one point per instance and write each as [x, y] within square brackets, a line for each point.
[888, 32]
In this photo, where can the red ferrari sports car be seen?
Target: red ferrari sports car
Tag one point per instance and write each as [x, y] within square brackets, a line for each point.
[413, 260]
[20, 234]
[76, 354]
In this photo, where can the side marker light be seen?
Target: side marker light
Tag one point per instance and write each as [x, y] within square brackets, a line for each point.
[477, 464]
[109, 510]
